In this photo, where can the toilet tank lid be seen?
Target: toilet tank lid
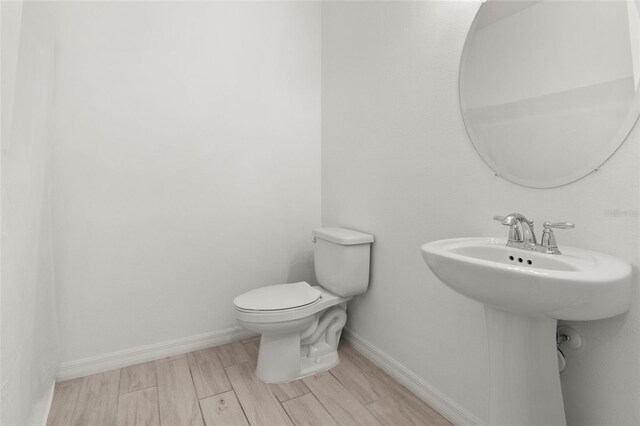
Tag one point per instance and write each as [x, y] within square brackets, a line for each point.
[342, 236]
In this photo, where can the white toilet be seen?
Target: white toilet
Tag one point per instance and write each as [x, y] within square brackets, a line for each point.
[301, 324]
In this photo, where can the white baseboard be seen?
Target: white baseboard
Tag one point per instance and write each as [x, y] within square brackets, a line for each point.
[449, 409]
[98, 364]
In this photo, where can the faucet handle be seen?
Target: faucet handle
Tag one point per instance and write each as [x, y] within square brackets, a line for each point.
[499, 218]
[548, 242]
[559, 225]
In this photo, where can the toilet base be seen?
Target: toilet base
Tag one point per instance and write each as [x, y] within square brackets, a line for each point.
[278, 358]
[290, 356]
[307, 367]
[310, 366]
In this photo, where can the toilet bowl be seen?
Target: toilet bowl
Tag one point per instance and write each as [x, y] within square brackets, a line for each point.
[301, 324]
[297, 340]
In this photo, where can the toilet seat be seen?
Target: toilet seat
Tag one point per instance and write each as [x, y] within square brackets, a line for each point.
[326, 300]
[280, 297]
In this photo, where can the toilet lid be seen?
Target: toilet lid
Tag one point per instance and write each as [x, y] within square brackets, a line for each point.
[278, 297]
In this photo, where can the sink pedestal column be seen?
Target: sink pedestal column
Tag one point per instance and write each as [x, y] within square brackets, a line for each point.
[523, 370]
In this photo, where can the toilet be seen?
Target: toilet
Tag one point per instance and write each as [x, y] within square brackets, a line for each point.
[301, 324]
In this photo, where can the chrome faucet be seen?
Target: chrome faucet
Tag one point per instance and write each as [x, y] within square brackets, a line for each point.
[522, 235]
[523, 238]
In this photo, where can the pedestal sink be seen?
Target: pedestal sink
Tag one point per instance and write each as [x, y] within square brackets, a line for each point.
[524, 294]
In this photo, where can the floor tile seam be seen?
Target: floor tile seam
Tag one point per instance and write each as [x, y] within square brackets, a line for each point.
[323, 405]
[218, 393]
[158, 392]
[195, 390]
[293, 397]
[137, 390]
[286, 413]
[345, 386]
[235, 393]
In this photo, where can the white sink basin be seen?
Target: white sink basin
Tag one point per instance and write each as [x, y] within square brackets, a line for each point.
[524, 294]
[575, 285]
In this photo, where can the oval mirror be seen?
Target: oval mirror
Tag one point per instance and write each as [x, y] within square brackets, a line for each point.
[549, 89]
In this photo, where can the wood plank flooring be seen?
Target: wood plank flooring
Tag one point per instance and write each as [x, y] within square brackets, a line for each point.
[216, 386]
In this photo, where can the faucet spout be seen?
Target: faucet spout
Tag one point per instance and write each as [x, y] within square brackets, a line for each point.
[527, 236]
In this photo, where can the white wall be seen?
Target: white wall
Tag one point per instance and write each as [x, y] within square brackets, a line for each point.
[396, 162]
[186, 164]
[28, 333]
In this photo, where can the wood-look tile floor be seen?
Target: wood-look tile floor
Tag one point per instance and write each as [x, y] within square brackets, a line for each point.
[216, 386]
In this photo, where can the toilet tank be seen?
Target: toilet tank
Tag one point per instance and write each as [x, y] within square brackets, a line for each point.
[341, 259]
